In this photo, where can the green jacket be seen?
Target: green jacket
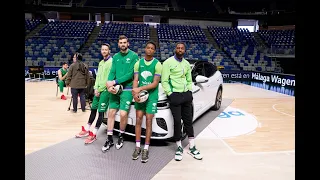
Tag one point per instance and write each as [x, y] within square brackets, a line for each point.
[176, 75]
[122, 68]
[102, 74]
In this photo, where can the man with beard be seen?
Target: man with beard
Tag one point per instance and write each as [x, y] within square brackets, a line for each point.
[176, 81]
[100, 101]
[147, 73]
[121, 73]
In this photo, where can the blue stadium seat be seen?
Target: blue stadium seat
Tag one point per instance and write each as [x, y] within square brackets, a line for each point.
[30, 24]
[242, 47]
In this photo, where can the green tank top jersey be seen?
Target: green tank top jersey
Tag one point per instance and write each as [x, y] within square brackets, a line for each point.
[63, 72]
[146, 75]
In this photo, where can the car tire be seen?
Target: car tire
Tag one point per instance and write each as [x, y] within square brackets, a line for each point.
[183, 132]
[218, 101]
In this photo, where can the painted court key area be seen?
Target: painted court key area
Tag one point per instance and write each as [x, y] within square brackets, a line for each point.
[232, 122]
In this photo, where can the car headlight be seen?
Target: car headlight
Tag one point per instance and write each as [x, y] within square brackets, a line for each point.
[163, 105]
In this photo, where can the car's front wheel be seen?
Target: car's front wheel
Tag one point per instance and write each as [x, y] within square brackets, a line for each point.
[183, 132]
[218, 101]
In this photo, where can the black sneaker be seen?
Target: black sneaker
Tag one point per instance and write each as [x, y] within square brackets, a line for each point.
[145, 156]
[119, 143]
[107, 146]
[136, 153]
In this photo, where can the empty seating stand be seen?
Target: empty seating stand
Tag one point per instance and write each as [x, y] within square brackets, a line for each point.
[197, 45]
[279, 41]
[30, 24]
[57, 42]
[113, 30]
[138, 35]
[241, 46]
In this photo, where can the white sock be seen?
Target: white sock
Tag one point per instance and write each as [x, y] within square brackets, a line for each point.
[191, 142]
[110, 132]
[137, 143]
[95, 130]
[87, 128]
[146, 146]
[179, 143]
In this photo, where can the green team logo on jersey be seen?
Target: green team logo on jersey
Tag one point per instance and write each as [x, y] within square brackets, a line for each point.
[145, 75]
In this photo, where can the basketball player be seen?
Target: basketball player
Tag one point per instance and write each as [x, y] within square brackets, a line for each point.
[78, 79]
[62, 74]
[147, 73]
[177, 84]
[100, 101]
[121, 73]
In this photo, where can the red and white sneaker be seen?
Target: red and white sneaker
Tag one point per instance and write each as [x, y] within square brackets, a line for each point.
[82, 133]
[91, 138]
[63, 97]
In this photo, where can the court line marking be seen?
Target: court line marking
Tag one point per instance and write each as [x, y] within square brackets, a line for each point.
[274, 108]
[248, 153]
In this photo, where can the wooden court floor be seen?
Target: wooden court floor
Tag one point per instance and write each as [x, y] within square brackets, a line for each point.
[48, 122]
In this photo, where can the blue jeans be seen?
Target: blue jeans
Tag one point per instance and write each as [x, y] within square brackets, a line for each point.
[75, 93]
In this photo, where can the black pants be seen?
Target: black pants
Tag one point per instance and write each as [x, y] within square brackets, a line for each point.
[181, 108]
[74, 93]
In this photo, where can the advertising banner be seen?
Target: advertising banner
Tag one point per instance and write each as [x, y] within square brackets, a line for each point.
[274, 78]
[279, 79]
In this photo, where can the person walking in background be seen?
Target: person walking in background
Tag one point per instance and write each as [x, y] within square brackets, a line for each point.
[78, 79]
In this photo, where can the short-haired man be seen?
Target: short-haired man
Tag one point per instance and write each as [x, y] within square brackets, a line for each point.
[147, 73]
[62, 74]
[100, 101]
[176, 81]
[121, 73]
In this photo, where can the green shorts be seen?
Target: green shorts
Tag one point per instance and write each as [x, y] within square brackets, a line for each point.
[102, 102]
[149, 107]
[122, 101]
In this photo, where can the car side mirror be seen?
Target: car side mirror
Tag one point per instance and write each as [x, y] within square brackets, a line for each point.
[201, 79]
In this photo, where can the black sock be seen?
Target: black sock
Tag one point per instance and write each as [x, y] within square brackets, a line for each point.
[110, 138]
[121, 135]
[92, 115]
[99, 121]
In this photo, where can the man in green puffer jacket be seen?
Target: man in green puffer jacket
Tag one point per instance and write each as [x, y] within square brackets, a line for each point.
[176, 81]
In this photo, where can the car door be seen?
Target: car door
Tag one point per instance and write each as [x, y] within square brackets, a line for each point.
[199, 98]
[212, 85]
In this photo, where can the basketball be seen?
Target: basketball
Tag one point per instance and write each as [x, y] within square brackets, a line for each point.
[143, 96]
[118, 88]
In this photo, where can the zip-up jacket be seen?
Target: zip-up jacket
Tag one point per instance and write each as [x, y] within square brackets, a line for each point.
[176, 75]
[102, 75]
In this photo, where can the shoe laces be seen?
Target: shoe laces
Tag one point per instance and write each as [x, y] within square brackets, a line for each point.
[120, 140]
[107, 143]
[144, 153]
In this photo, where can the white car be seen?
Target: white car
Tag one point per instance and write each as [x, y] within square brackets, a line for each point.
[207, 94]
